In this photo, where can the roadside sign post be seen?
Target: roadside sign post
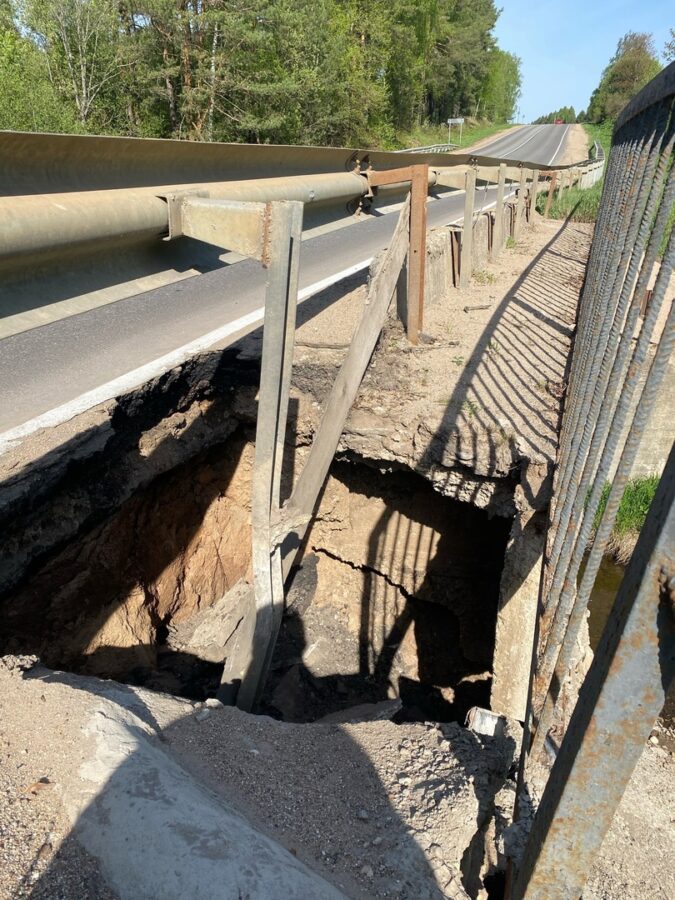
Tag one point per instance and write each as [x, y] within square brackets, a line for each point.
[458, 121]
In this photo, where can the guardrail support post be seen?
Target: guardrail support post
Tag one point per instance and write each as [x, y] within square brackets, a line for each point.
[561, 184]
[533, 194]
[551, 191]
[498, 233]
[418, 176]
[467, 228]
[520, 204]
[417, 252]
[283, 233]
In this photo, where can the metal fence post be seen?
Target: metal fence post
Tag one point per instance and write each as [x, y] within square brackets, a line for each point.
[623, 693]
[284, 230]
[498, 233]
[520, 204]
[467, 228]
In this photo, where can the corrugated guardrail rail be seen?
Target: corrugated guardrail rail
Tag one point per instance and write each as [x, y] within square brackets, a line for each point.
[621, 351]
[86, 219]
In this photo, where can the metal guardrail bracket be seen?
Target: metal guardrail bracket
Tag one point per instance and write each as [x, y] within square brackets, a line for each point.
[242, 227]
[174, 203]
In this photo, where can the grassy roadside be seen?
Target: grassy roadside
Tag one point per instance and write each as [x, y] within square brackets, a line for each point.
[601, 133]
[474, 130]
[630, 517]
[581, 205]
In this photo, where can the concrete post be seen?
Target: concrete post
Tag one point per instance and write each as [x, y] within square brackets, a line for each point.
[467, 228]
[551, 191]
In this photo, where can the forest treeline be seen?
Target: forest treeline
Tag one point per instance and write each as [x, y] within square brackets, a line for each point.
[281, 71]
[632, 66]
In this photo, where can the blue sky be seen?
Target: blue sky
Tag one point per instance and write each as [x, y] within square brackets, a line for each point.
[565, 46]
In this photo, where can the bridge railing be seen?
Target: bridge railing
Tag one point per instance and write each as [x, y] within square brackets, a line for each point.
[622, 348]
[86, 220]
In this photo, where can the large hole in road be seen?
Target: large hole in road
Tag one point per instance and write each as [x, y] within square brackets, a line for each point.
[394, 602]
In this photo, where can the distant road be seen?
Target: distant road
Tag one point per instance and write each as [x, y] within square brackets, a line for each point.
[54, 372]
[541, 144]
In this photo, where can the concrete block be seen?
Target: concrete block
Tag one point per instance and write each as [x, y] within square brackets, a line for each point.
[438, 276]
[480, 243]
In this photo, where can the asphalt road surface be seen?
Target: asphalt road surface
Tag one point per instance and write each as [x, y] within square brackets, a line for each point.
[540, 144]
[54, 372]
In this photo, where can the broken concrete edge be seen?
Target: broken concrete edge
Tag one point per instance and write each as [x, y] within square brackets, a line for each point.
[57, 485]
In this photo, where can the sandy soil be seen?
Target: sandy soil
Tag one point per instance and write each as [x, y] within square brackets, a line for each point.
[487, 379]
[576, 147]
[378, 809]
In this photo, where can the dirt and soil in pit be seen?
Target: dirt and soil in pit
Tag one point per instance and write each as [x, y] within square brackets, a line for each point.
[380, 549]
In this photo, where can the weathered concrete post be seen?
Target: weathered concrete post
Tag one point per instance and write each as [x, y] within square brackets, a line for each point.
[520, 204]
[498, 233]
[467, 228]
[561, 183]
[551, 190]
[533, 194]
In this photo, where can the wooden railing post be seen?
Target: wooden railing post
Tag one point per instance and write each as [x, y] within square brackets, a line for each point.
[418, 176]
[467, 228]
[533, 194]
[520, 204]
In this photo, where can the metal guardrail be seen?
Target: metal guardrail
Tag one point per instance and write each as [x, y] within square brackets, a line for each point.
[86, 219]
[431, 148]
[613, 386]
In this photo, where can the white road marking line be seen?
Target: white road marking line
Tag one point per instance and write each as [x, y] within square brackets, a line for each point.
[157, 367]
[518, 146]
[550, 162]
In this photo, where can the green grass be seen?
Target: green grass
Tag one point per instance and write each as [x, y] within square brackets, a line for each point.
[579, 205]
[474, 130]
[634, 505]
[601, 133]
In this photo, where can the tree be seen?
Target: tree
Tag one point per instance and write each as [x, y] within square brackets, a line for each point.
[669, 48]
[287, 71]
[565, 114]
[633, 65]
[28, 101]
[501, 88]
[81, 42]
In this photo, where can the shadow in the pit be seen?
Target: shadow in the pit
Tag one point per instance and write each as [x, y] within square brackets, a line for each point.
[163, 821]
[58, 514]
[426, 599]
[502, 413]
[354, 698]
